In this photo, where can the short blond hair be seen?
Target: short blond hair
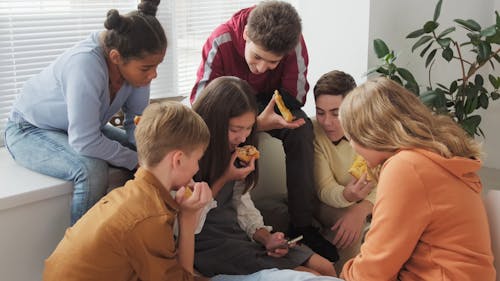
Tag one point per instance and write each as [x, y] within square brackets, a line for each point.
[168, 126]
[384, 116]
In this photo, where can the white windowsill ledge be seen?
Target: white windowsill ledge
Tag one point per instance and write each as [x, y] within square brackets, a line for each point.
[21, 186]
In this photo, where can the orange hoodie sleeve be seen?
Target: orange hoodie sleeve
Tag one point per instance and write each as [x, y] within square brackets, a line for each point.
[400, 216]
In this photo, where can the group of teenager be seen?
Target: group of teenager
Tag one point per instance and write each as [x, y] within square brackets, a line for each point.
[188, 214]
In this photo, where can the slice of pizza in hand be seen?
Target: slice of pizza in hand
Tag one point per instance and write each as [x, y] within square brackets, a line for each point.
[187, 192]
[360, 167]
[137, 118]
[247, 152]
[285, 112]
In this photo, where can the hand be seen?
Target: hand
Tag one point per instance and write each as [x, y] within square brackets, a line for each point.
[200, 197]
[350, 226]
[238, 173]
[357, 190]
[268, 119]
[276, 245]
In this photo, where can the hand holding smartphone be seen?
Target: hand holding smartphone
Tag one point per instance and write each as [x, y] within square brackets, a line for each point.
[287, 244]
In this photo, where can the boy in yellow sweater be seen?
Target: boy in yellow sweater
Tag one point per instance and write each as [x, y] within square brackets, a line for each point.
[128, 234]
[345, 201]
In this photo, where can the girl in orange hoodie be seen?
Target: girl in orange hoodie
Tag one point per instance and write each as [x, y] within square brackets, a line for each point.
[428, 221]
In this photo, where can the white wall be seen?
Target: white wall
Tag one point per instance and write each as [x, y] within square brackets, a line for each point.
[336, 34]
[392, 20]
[339, 35]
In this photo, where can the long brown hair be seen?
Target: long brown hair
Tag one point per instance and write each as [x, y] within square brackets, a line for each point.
[382, 115]
[224, 98]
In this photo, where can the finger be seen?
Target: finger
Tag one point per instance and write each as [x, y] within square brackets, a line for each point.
[234, 156]
[279, 235]
[338, 237]
[352, 239]
[179, 195]
[270, 105]
[205, 192]
[294, 124]
[336, 226]
[343, 240]
[191, 183]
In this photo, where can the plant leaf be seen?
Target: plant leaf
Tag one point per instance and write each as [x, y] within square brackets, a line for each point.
[428, 97]
[495, 38]
[437, 10]
[430, 26]
[453, 86]
[442, 86]
[406, 75]
[484, 50]
[444, 42]
[495, 95]
[446, 32]
[495, 82]
[489, 31]
[397, 79]
[447, 54]
[380, 47]
[426, 48]
[413, 87]
[383, 71]
[469, 24]
[470, 124]
[478, 80]
[497, 58]
[420, 42]
[430, 57]
[416, 33]
[483, 101]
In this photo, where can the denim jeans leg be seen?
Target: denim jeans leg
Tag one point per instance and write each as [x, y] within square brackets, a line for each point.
[48, 152]
[117, 134]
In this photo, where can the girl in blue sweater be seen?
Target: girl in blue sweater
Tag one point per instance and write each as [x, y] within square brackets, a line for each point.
[59, 123]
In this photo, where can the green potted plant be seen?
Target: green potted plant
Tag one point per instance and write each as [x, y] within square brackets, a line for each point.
[468, 92]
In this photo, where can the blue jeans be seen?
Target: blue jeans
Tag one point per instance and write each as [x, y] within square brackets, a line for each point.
[275, 275]
[48, 152]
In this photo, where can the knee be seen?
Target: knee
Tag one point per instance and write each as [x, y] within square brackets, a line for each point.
[92, 168]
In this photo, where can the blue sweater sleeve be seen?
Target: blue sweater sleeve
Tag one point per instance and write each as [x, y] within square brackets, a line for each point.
[85, 86]
[134, 105]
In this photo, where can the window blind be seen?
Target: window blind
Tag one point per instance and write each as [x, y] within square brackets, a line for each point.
[34, 33]
[188, 24]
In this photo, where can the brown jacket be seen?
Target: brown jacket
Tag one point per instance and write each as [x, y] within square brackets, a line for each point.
[127, 235]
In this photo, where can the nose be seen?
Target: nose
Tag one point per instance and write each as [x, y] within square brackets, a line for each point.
[262, 67]
[242, 138]
[328, 119]
[153, 74]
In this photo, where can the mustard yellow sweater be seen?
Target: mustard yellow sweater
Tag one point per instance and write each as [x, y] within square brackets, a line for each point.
[331, 163]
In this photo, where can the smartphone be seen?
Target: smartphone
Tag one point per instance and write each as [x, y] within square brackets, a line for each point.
[295, 240]
[288, 243]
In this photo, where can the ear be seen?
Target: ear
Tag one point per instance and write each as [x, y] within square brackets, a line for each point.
[177, 158]
[245, 33]
[115, 57]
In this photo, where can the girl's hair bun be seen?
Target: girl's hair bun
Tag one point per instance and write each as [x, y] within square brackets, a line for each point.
[114, 21]
[148, 7]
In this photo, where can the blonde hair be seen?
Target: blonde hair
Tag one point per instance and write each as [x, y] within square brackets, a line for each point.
[382, 115]
[168, 126]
